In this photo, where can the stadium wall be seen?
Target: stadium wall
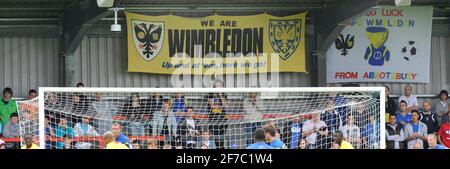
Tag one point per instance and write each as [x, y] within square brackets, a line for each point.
[101, 61]
[28, 62]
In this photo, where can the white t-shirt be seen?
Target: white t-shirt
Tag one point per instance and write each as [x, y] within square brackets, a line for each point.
[411, 100]
[309, 125]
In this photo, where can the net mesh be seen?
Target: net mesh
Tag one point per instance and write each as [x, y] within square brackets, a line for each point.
[204, 120]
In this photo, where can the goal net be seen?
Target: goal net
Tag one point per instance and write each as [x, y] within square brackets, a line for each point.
[204, 118]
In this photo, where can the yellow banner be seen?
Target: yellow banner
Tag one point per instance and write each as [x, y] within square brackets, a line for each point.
[216, 44]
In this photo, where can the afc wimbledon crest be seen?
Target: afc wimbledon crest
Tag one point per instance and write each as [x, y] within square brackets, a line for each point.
[284, 36]
[148, 38]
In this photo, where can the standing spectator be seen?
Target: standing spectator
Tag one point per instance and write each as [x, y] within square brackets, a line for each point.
[444, 134]
[137, 114]
[260, 136]
[411, 100]
[156, 102]
[84, 129]
[403, 117]
[7, 106]
[442, 106]
[432, 142]
[32, 94]
[429, 118]
[179, 104]
[332, 117]
[352, 132]
[116, 129]
[272, 139]
[415, 132]
[189, 129]
[152, 144]
[253, 108]
[164, 117]
[206, 142]
[394, 134]
[12, 128]
[369, 134]
[221, 97]
[217, 122]
[312, 129]
[390, 104]
[79, 84]
[103, 112]
[63, 130]
[295, 133]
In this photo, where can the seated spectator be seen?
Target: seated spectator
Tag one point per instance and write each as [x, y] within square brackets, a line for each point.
[302, 144]
[429, 118]
[61, 130]
[84, 129]
[29, 142]
[7, 106]
[136, 144]
[253, 108]
[152, 144]
[403, 117]
[206, 142]
[432, 142]
[260, 137]
[444, 134]
[2, 144]
[352, 133]
[32, 94]
[394, 134]
[272, 139]
[410, 99]
[12, 128]
[167, 146]
[312, 129]
[442, 106]
[390, 104]
[415, 132]
[68, 142]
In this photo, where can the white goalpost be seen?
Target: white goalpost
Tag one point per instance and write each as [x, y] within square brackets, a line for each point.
[206, 118]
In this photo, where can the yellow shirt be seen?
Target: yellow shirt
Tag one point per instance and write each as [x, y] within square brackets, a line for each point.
[116, 145]
[33, 146]
[345, 145]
